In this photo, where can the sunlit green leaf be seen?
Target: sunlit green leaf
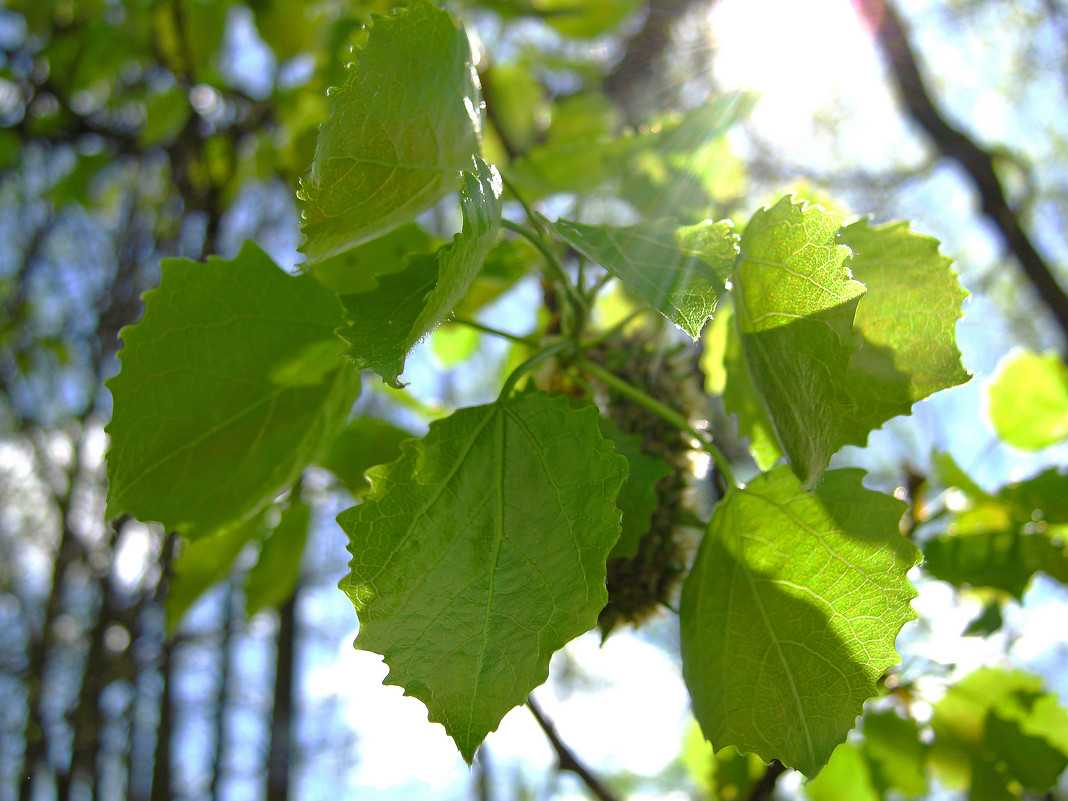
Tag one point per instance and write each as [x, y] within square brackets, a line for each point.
[790, 613]
[231, 383]
[906, 324]
[795, 307]
[1029, 400]
[401, 130]
[678, 270]
[481, 551]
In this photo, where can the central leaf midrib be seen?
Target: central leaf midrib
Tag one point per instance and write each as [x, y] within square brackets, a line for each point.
[782, 657]
[498, 541]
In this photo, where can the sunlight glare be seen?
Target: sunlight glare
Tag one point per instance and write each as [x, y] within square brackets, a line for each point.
[798, 56]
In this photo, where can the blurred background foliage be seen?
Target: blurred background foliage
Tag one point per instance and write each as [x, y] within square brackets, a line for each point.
[135, 666]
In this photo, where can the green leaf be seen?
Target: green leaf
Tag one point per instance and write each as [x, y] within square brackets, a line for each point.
[678, 270]
[1029, 400]
[731, 378]
[1002, 559]
[481, 551]
[273, 578]
[637, 500]
[896, 753]
[847, 775]
[388, 321]
[994, 728]
[230, 385]
[364, 443]
[986, 623]
[357, 270]
[1042, 497]
[906, 322]
[795, 308]
[203, 563]
[790, 613]
[400, 131]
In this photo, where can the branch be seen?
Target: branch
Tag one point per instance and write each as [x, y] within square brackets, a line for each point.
[565, 757]
[882, 18]
[763, 789]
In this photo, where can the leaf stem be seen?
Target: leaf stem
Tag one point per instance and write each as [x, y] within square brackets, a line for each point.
[530, 364]
[608, 333]
[573, 296]
[664, 412]
[486, 329]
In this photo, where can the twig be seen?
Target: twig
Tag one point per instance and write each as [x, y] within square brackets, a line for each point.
[763, 789]
[565, 757]
[883, 19]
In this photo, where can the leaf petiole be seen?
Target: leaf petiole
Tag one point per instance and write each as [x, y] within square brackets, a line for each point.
[486, 329]
[530, 364]
[573, 296]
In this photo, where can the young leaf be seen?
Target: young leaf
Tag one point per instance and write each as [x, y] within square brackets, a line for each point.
[678, 270]
[637, 500]
[400, 131]
[906, 323]
[481, 551]
[790, 613]
[230, 385]
[386, 322]
[1029, 401]
[795, 306]
[275, 575]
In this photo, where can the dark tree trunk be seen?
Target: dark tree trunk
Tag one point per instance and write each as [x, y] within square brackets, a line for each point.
[281, 749]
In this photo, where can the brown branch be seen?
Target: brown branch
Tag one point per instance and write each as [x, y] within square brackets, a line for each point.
[565, 757]
[882, 18]
[765, 787]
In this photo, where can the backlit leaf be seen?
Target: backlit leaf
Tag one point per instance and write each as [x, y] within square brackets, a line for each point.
[230, 384]
[905, 322]
[400, 131]
[790, 613]
[1029, 400]
[796, 302]
[388, 321]
[274, 577]
[678, 270]
[364, 443]
[638, 499]
[481, 551]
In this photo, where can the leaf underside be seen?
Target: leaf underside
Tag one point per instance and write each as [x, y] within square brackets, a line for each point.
[387, 322]
[790, 613]
[678, 270]
[230, 385]
[481, 551]
[400, 131]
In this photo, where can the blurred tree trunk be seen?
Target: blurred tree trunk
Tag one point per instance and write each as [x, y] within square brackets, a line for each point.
[281, 749]
[222, 697]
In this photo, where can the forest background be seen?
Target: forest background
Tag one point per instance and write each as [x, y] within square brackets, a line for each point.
[137, 130]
